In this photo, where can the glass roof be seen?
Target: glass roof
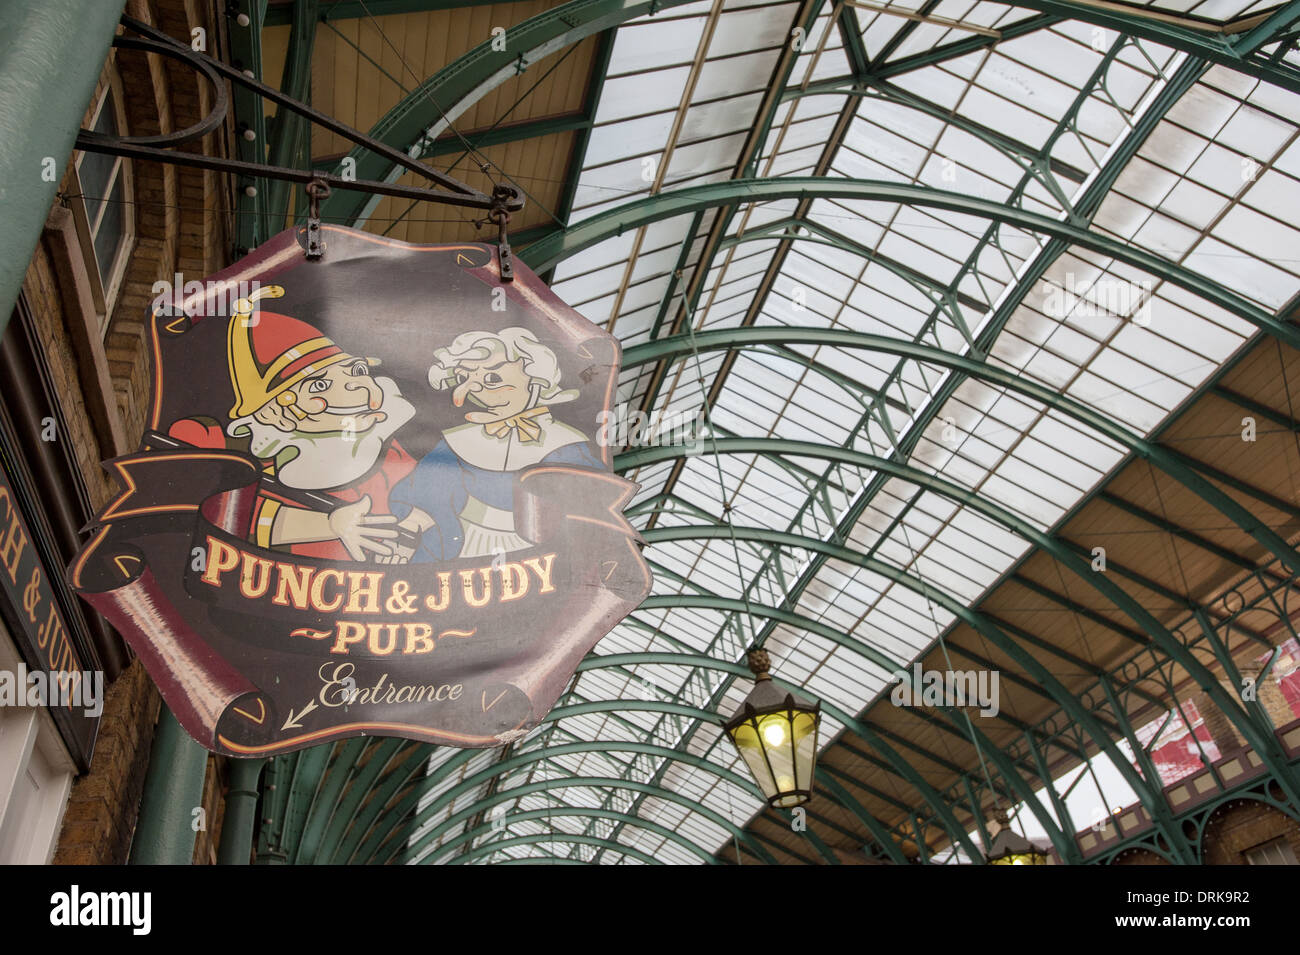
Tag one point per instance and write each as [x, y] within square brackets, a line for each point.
[1144, 143]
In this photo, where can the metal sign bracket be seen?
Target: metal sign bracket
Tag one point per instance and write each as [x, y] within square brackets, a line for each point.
[446, 189]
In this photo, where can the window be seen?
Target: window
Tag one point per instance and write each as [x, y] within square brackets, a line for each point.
[35, 778]
[1277, 852]
[104, 212]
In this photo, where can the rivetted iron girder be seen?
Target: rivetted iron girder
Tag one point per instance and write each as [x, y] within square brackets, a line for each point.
[456, 87]
[525, 757]
[793, 620]
[1167, 642]
[443, 97]
[546, 253]
[976, 620]
[559, 836]
[585, 812]
[905, 769]
[326, 797]
[360, 782]
[522, 759]
[1167, 460]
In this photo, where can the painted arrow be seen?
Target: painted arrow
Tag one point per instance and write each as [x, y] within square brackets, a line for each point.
[292, 721]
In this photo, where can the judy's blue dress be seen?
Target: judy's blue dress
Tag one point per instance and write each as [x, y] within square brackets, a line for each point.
[443, 485]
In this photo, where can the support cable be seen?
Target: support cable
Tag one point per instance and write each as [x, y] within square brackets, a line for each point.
[965, 710]
[469, 147]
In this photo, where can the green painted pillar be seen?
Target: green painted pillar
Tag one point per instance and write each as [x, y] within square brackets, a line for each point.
[241, 812]
[268, 850]
[173, 789]
[50, 60]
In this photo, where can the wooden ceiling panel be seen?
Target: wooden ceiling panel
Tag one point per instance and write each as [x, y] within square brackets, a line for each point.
[362, 67]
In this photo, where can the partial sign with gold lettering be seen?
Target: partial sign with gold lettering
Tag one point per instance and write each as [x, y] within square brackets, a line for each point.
[370, 501]
[53, 673]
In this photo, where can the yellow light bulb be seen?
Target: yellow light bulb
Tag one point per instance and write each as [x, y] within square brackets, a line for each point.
[774, 733]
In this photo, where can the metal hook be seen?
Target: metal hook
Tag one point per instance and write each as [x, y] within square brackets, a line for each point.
[317, 190]
[500, 214]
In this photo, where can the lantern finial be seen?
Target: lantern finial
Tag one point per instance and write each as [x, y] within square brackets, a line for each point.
[759, 663]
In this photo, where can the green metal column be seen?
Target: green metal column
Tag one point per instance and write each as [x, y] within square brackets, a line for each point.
[241, 812]
[164, 834]
[269, 850]
[49, 64]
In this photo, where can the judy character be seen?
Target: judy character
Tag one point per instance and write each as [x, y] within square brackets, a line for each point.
[459, 499]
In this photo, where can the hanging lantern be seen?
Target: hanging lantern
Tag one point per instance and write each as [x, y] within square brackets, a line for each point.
[776, 734]
[1009, 847]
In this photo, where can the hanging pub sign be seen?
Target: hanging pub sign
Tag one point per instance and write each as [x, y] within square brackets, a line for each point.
[370, 500]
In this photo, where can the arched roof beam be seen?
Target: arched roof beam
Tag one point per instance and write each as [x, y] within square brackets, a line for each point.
[366, 832]
[528, 757]
[793, 619]
[360, 782]
[599, 782]
[984, 745]
[372, 827]
[903, 768]
[1265, 745]
[735, 669]
[583, 811]
[1174, 87]
[425, 112]
[547, 252]
[598, 746]
[1023, 154]
[415, 122]
[866, 733]
[1235, 51]
[556, 837]
[325, 801]
[1167, 460]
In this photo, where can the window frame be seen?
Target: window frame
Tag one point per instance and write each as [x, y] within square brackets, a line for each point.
[30, 744]
[1272, 852]
[105, 288]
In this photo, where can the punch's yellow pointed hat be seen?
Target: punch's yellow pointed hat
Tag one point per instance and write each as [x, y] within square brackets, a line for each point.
[269, 353]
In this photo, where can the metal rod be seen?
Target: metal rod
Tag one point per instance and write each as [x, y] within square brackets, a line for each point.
[304, 176]
[241, 812]
[452, 192]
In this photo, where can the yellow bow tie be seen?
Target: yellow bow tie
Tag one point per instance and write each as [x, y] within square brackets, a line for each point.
[523, 423]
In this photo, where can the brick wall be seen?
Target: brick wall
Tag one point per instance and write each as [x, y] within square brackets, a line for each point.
[1140, 857]
[1267, 693]
[101, 813]
[1243, 824]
